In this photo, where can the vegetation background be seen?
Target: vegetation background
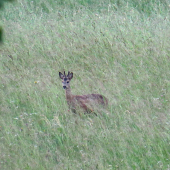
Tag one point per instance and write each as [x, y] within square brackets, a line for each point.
[117, 48]
[1, 30]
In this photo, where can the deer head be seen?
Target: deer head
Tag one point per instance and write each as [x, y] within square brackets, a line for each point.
[66, 79]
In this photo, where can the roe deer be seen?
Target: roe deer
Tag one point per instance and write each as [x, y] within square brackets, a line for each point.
[83, 102]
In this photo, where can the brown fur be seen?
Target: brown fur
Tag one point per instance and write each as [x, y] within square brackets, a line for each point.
[87, 103]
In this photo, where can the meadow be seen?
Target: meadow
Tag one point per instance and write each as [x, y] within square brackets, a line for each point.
[120, 49]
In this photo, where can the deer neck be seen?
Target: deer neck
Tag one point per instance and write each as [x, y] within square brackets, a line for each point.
[68, 94]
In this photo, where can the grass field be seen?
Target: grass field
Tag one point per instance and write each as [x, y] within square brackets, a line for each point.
[115, 48]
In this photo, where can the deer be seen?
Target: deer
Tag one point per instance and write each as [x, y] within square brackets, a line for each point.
[86, 103]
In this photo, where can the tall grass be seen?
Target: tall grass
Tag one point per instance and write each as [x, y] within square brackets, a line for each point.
[115, 48]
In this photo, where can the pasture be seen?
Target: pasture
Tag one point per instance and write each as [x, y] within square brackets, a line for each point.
[115, 48]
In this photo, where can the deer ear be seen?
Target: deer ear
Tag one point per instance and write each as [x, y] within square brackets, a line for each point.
[70, 75]
[61, 75]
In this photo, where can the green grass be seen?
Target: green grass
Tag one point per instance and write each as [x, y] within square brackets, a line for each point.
[115, 48]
